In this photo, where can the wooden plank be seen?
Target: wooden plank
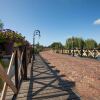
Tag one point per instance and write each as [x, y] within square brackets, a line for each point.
[25, 63]
[6, 78]
[16, 71]
[8, 72]
[20, 66]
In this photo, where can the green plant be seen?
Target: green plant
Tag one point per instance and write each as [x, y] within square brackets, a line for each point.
[10, 39]
[1, 25]
[74, 43]
[90, 44]
[56, 46]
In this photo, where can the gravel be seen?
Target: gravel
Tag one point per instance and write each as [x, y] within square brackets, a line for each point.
[84, 72]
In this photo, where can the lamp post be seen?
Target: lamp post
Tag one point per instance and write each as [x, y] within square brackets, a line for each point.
[73, 45]
[36, 32]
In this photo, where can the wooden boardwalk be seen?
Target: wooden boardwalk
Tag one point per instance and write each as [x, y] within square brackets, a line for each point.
[45, 83]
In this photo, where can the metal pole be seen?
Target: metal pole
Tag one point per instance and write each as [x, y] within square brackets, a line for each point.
[36, 32]
[33, 47]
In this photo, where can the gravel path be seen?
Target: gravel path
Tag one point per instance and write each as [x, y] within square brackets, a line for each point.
[84, 72]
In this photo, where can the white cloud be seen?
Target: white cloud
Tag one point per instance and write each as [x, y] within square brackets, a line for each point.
[97, 22]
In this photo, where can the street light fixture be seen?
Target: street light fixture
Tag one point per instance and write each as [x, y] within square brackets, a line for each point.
[36, 32]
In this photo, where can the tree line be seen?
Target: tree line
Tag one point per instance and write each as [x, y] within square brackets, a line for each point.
[76, 43]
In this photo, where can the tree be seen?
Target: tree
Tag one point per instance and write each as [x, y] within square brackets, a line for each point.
[90, 44]
[1, 25]
[98, 47]
[68, 44]
[38, 48]
[74, 43]
[80, 43]
[56, 45]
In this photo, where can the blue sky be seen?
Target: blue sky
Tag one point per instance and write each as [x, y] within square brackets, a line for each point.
[56, 19]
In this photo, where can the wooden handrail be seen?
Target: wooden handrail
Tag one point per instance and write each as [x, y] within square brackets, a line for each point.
[8, 72]
[19, 58]
[5, 77]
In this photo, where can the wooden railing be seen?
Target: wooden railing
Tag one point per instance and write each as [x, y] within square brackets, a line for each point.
[17, 70]
[78, 52]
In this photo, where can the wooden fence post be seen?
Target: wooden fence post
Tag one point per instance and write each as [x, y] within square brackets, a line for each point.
[73, 52]
[30, 55]
[25, 63]
[69, 52]
[16, 70]
[87, 52]
[62, 50]
[81, 52]
[94, 53]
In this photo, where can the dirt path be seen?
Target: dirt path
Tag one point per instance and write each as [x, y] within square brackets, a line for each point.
[83, 71]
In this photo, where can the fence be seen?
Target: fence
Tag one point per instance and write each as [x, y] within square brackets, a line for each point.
[79, 52]
[17, 70]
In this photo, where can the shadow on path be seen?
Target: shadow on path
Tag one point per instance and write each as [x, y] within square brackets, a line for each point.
[46, 83]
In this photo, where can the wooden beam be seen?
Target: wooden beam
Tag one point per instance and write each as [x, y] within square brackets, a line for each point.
[6, 78]
[8, 72]
[16, 70]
